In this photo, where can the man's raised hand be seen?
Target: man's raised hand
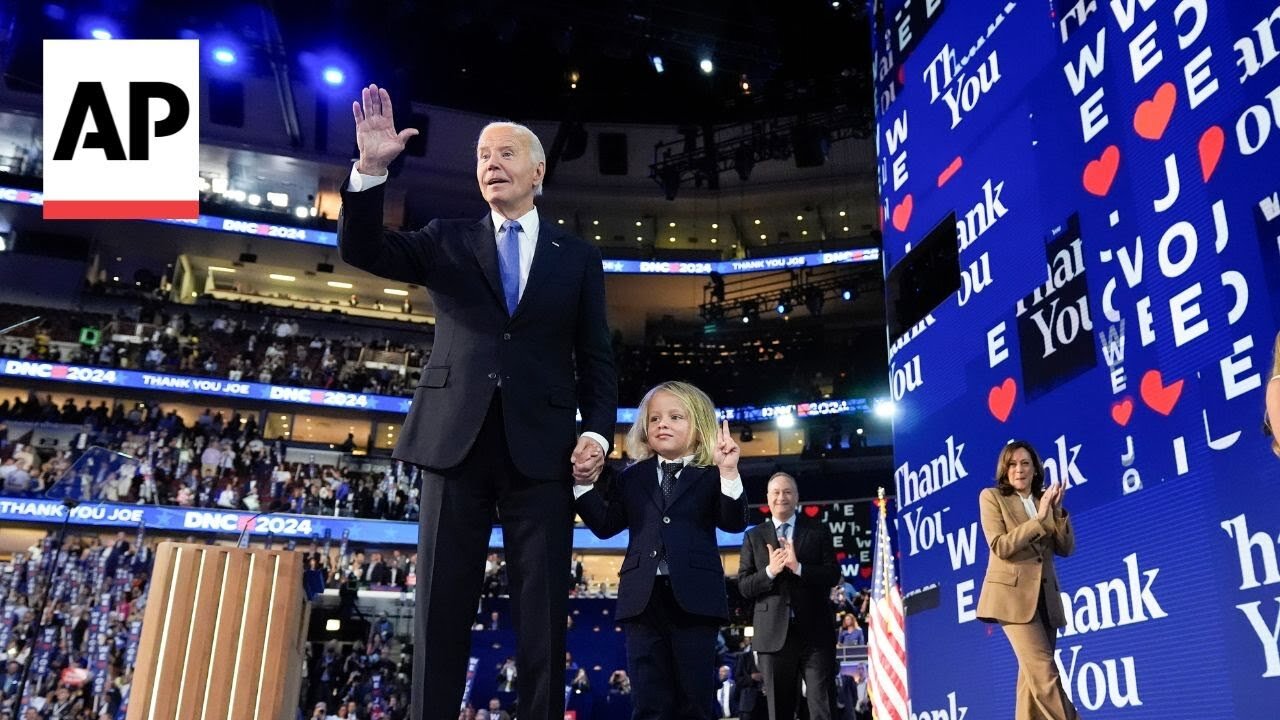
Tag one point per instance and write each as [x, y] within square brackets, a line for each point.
[376, 134]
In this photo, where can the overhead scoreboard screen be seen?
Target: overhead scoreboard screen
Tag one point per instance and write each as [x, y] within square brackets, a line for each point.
[1106, 174]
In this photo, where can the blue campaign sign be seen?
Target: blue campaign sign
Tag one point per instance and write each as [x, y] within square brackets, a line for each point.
[230, 523]
[730, 267]
[633, 267]
[161, 382]
[1107, 172]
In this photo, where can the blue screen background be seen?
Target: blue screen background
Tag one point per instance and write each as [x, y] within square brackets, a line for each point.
[1173, 489]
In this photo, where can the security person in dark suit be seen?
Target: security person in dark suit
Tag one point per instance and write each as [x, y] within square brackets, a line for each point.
[671, 591]
[749, 679]
[788, 567]
[520, 343]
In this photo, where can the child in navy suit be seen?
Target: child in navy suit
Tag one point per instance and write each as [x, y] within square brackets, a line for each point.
[671, 595]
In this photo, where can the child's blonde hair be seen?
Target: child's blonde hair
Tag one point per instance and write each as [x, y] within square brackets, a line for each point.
[702, 419]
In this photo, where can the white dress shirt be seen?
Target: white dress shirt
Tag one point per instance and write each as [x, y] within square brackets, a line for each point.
[724, 694]
[1029, 504]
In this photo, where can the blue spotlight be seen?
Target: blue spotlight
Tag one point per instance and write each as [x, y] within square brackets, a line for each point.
[334, 76]
[224, 56]
[657, 63]
[333, 69]
[98, 28]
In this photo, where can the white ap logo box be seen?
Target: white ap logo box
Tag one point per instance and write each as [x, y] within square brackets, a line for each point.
[121, 129]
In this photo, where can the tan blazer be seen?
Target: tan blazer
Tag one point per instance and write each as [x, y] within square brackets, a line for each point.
[1022, 550]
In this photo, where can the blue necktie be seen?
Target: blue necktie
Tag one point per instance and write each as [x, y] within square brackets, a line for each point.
[509, 263]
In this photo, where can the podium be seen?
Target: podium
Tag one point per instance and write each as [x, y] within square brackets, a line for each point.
[223, 635]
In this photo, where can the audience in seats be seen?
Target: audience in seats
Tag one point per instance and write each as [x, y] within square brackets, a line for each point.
[366, 679]
[213, 463]
[257, 348]
[800, 361]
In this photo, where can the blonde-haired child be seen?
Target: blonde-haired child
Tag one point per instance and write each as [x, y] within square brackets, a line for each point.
[671, 598]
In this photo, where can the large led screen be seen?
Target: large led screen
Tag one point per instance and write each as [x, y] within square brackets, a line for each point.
[1112, 171]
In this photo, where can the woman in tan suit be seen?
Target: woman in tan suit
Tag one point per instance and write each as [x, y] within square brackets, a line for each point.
[1025, 526]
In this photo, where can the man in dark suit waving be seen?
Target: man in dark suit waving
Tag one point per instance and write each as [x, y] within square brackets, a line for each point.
[788, 566]
[520, 343]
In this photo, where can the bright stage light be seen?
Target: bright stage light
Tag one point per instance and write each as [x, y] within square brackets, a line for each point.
[885, 409]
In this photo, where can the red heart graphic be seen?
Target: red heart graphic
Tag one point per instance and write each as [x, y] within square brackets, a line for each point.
[1152, 116]
[840, 556]
[902, 213]
[811, 510]
[1157, 395]
[865, 571]
[1122, 411]
[1000, 399]
[950, 170]
[1211, 143]
[1099, 173]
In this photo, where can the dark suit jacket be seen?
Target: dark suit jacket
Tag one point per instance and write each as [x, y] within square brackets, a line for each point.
[380, 574]
[808, 595]
[748, 689]
[558, 333]
[633, 501]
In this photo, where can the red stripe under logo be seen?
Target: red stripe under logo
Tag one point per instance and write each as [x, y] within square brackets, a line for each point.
[121, 209]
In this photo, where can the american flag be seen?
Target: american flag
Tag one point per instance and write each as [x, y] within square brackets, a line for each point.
[887, 648]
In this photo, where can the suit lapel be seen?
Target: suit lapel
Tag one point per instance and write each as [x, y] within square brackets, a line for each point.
[648, 470]
[770, 533]
[481, 239]
[545, 260]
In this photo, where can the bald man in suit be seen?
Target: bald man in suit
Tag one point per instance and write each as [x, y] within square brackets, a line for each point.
[788, 567]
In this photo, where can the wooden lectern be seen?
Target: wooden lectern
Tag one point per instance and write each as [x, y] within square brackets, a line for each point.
[223, 635]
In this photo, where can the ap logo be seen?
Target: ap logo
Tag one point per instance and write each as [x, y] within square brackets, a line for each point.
[122, 119]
